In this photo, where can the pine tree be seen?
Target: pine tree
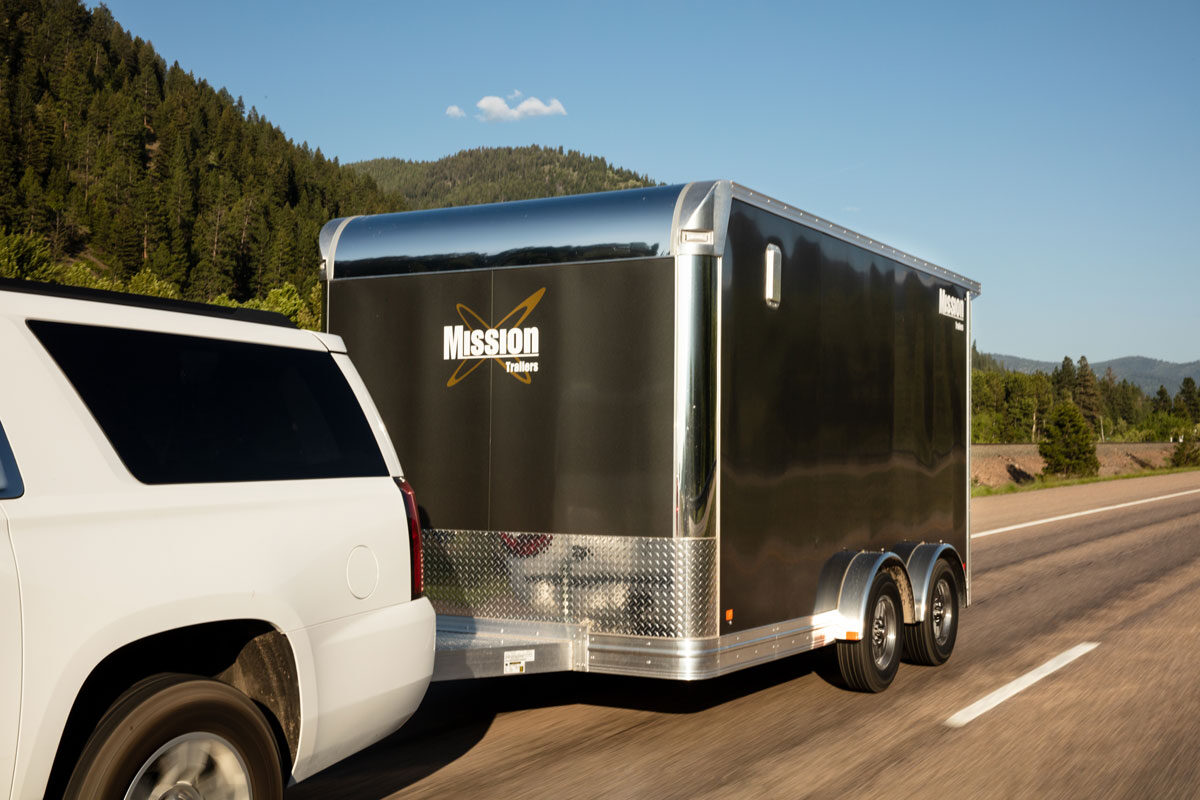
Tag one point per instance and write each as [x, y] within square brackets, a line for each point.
[1063, 378]
[1087, 394]
[1069, 448]
[1187, 402]
[1161, 402]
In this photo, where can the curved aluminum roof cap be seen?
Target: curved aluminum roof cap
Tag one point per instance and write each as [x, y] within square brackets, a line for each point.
[648, 222]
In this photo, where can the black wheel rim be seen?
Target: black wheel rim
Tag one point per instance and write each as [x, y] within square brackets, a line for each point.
[883, 632]
[941, 611]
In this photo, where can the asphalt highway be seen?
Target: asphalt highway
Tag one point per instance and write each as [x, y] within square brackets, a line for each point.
[1082, 643]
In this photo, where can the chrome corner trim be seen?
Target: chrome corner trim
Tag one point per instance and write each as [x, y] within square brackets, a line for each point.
[694, 453]
[703, 206]
[970, 346]
[330, 233]
[786, 211]
[681, 659]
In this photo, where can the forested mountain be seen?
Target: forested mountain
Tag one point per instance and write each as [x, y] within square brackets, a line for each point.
[1012, 406]
[495, 174]
[116, 167]
[1146, 373]
[119, 171]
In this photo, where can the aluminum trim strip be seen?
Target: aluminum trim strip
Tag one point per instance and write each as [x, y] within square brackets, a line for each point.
[794, 214]
[967, 555]
[698, 659]
[694, 464]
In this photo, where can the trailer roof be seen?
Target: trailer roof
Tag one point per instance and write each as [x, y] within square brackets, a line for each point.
[649, 222]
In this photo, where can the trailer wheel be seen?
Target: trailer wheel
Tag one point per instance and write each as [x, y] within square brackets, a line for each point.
[931, 641]
[178, 736]
[870, 663]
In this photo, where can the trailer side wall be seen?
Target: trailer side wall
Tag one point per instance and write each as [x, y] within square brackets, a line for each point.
[843, 414]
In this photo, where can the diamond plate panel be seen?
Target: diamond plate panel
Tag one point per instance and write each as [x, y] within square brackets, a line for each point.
[627, 585]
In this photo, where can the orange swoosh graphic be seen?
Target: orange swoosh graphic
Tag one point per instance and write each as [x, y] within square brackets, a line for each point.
[467, 366]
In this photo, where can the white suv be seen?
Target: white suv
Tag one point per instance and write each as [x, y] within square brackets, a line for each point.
[210, 570]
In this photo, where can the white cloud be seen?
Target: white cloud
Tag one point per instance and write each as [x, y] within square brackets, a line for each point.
[496, 109]
[516, 93]
[455, 112]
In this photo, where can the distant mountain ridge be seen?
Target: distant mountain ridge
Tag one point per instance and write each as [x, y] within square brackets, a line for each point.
[1148, 373]
[497, 174]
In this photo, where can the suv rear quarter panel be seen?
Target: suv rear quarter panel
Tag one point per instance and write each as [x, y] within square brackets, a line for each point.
[105, 560]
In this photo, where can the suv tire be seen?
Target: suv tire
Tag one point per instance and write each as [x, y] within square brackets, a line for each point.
[180, 731]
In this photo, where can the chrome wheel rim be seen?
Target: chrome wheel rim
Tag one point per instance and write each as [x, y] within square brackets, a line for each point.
[942, 611]
[883, 632]
[195, 766]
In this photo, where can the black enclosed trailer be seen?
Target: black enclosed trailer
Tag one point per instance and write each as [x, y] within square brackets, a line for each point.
[672, 431]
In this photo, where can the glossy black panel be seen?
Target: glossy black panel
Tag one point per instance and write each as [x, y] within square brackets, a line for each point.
[393, 332]
[581, 445]
[843, 414]
[634, 223]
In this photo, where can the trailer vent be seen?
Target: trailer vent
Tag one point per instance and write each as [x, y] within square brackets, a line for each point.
[772, 275]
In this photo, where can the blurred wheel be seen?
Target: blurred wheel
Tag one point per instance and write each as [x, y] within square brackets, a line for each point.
[177, 737]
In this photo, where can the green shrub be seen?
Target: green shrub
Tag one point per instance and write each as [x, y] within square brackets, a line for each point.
[1187, 452]
[1069, 447]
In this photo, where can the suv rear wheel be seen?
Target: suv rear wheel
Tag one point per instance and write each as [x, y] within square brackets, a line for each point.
[179, 737]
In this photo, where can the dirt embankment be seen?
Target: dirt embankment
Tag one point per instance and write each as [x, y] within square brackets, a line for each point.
[998, 464]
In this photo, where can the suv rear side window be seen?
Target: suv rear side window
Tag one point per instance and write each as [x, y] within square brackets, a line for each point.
[10, 478]
[184, 409]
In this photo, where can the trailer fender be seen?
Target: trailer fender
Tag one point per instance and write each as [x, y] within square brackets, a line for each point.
[919, 560]
[848, 576]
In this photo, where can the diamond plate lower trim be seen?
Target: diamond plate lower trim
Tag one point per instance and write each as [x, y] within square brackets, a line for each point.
[625, 585]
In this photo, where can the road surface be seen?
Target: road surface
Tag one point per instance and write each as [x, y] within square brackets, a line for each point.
[1114, 593]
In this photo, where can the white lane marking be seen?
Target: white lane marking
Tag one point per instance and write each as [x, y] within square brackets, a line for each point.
[1020, 684]
[1081, 514]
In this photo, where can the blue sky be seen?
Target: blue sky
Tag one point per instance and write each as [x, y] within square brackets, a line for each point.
[1049, 150]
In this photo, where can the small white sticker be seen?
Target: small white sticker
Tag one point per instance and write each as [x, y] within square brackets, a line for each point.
[514, 661]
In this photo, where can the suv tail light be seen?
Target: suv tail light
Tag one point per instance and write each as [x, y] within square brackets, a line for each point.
[525, 545]
[417, 556]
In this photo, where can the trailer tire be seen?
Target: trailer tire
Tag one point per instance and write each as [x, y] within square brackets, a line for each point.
[208, 735]
[931, 641]
[870, 663]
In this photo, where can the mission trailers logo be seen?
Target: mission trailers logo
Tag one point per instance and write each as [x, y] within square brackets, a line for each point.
[953, 307]
[512, 346]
